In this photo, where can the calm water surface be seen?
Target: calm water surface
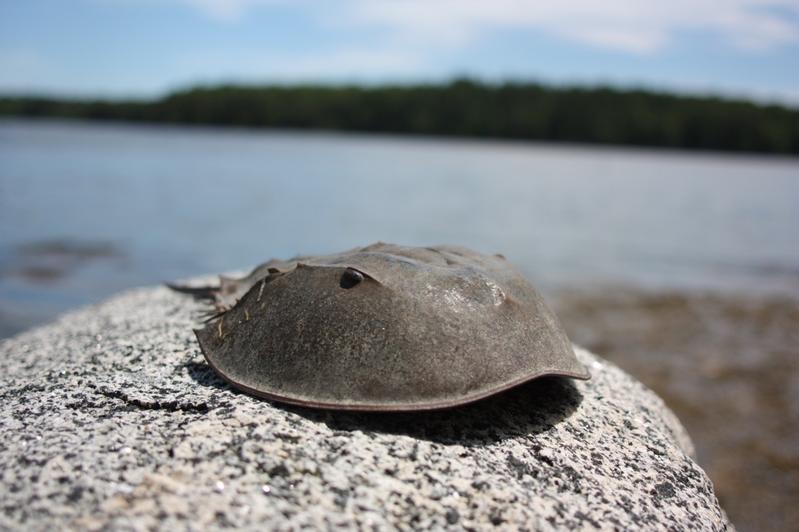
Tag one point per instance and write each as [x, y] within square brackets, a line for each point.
[177, 201]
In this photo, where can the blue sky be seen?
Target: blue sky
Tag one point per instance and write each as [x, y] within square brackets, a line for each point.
[149, 47]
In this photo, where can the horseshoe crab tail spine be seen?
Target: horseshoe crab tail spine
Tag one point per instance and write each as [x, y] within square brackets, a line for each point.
[200, 292]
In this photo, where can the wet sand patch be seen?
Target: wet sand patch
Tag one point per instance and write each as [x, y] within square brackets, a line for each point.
[728, 365]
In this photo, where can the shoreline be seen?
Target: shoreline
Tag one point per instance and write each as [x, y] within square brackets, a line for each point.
[609, 149]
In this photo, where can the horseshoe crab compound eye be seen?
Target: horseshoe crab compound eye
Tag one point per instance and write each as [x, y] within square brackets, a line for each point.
[350, 278]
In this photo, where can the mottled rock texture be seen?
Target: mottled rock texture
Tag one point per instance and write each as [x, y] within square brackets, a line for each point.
[111, 418]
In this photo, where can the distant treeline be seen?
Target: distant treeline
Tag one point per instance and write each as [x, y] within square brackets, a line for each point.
[461, 108]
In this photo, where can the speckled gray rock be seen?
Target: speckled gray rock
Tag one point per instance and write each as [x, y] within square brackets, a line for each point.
[111, 418]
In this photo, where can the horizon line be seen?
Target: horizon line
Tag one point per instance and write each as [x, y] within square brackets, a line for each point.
[680, 92]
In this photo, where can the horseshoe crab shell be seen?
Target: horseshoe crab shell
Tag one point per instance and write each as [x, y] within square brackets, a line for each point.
[383, 328]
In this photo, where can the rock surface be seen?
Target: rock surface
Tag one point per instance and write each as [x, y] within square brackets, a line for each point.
[111, 418]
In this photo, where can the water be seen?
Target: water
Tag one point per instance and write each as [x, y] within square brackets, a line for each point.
[178, 201]
[699, 251]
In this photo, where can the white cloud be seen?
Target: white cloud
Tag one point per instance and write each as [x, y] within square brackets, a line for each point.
[636, 26]
[219, 10]
[338, 63]
[228, 10]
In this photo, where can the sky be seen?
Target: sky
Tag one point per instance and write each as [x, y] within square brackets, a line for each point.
[147, 48]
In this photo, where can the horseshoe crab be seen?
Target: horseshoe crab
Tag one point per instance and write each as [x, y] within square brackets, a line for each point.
[383, 328]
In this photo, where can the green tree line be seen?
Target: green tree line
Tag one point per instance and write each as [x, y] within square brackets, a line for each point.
[461, 108]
